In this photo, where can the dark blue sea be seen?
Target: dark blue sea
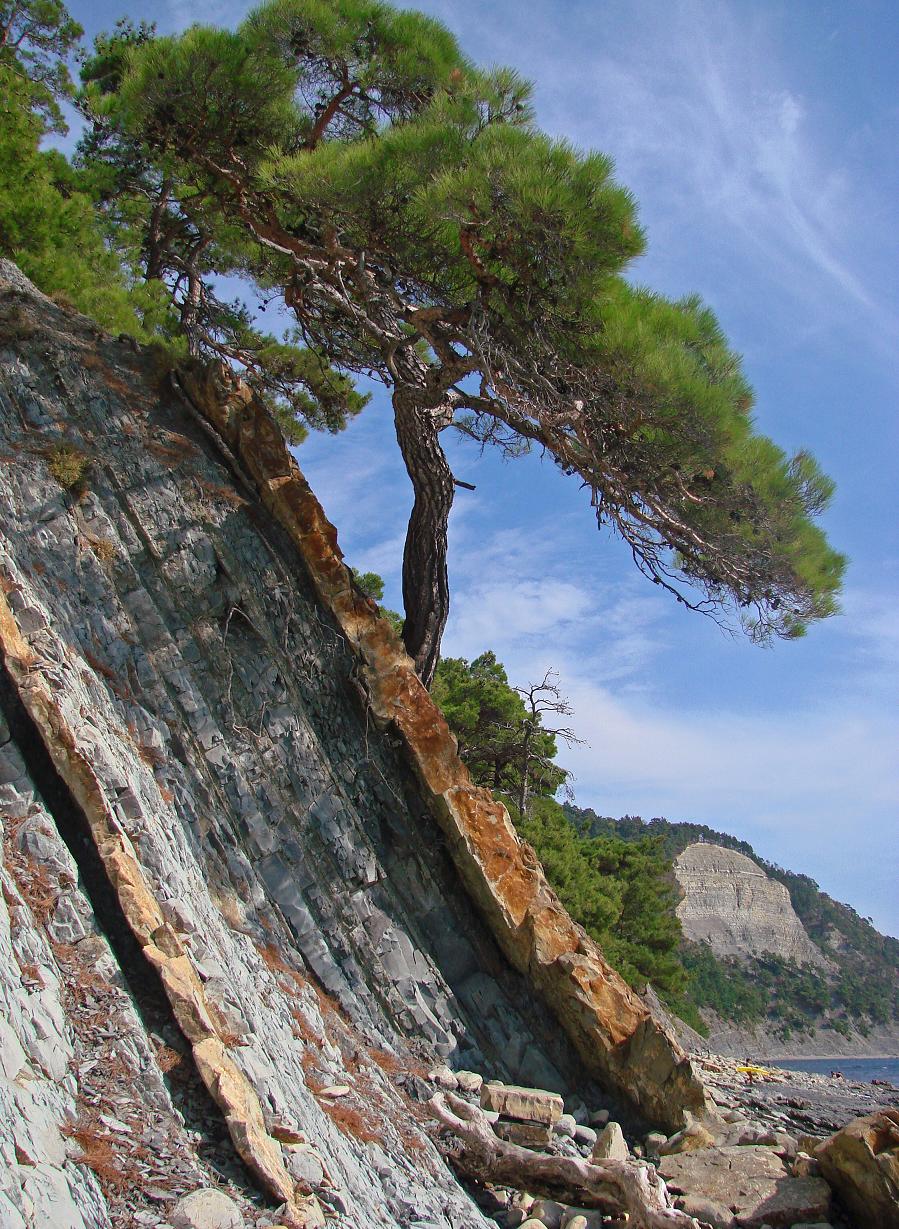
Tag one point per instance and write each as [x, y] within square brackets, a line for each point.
[861, 1069]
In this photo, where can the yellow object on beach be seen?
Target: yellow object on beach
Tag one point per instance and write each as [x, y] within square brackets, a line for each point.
[756, 1070]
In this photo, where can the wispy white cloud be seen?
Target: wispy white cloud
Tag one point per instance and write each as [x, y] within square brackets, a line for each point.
[524, 609]
[715, 130]
[816, 789]
[702, 115]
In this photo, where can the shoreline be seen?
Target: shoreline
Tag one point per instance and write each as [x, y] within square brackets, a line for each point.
[827, 1058]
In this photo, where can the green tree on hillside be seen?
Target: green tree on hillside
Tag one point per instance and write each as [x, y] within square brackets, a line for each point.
[173, 238]
[621, 892]
[422, 229]
[37, 37]
[499, 728]
[48, 222]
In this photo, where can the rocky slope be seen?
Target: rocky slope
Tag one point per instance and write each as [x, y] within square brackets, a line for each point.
[249, 889]
[730, 903]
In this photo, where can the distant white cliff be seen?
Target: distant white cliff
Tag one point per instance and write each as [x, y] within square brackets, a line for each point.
[731, 904]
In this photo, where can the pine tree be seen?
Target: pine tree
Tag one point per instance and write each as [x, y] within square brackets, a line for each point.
[422, 229]
[36, 39]
[501, 735]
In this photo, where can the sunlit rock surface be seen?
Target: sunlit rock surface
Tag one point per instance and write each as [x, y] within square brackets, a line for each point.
[260, 862]
[731, 904]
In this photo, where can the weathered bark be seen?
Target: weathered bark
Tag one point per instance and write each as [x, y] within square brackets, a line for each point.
[525, 765]
[425, 582]
[613, 1186]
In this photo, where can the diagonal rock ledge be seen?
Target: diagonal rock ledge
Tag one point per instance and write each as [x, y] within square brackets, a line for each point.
[196, 1017]
[616, 1036]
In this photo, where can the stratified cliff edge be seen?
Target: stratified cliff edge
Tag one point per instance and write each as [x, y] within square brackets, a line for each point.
[243, 865]
[731, 904]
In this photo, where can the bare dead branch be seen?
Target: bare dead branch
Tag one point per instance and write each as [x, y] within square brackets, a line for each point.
[614, 1186]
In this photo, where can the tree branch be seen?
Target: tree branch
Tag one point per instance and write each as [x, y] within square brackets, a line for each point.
[613, 1186]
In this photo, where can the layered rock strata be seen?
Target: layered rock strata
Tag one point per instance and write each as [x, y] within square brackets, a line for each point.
[255, 787]
[730, 903]
[616, 1036]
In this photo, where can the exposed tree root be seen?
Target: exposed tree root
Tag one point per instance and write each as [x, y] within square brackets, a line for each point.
[613, 1186]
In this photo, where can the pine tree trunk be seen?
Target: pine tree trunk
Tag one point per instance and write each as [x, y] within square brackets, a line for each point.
[525, 764]
[425, 584]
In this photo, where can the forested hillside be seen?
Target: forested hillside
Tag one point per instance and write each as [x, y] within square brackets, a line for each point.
[863, 988]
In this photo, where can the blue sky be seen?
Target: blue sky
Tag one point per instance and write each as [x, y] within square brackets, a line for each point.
[760, 141]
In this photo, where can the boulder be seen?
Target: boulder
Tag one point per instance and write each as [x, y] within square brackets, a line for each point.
[693, 1137]
[525, 1134]
[443, 1077]
[653, 1142]
[566, 1126]
[522, 1104]
[861, 1163]
[305, 1166]
[610, 1144]
[805, 1166]
[470, 1082]
[207, 1208]
[549, 1213]
[709, 1211]
[752, 1182]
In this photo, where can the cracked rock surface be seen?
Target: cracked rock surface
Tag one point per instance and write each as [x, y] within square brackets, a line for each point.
[190, 709]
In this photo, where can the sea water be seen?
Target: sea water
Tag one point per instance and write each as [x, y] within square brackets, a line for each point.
[862, 1069]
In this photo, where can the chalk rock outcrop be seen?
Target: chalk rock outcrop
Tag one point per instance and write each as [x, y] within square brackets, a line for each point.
[243, 866]
[731, 904]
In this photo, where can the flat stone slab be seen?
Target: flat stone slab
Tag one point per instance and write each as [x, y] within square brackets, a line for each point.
[522, 1104]
[752, 1182]
[526, 1134]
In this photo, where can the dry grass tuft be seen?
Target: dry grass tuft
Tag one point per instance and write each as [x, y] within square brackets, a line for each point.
[115, 683]
[102, 1152]
[232, 1039]
[15, 324]
[351, 1122]
[172, 1062]
[227, 493]
[37, 888]
[169, 455]
[68, 466]
[302, 1029]
[104, 550]
[31, 975]
[275, 962]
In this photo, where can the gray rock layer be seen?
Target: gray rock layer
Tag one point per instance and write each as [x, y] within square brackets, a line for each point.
[283, 835]
[731, 904]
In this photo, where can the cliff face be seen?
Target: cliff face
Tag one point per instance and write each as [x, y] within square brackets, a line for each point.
[242, 862]
[731, 904]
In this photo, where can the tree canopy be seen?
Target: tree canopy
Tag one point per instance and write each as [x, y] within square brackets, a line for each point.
[36, 39]
[402, 205]
[423, 230]
[501, 738]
